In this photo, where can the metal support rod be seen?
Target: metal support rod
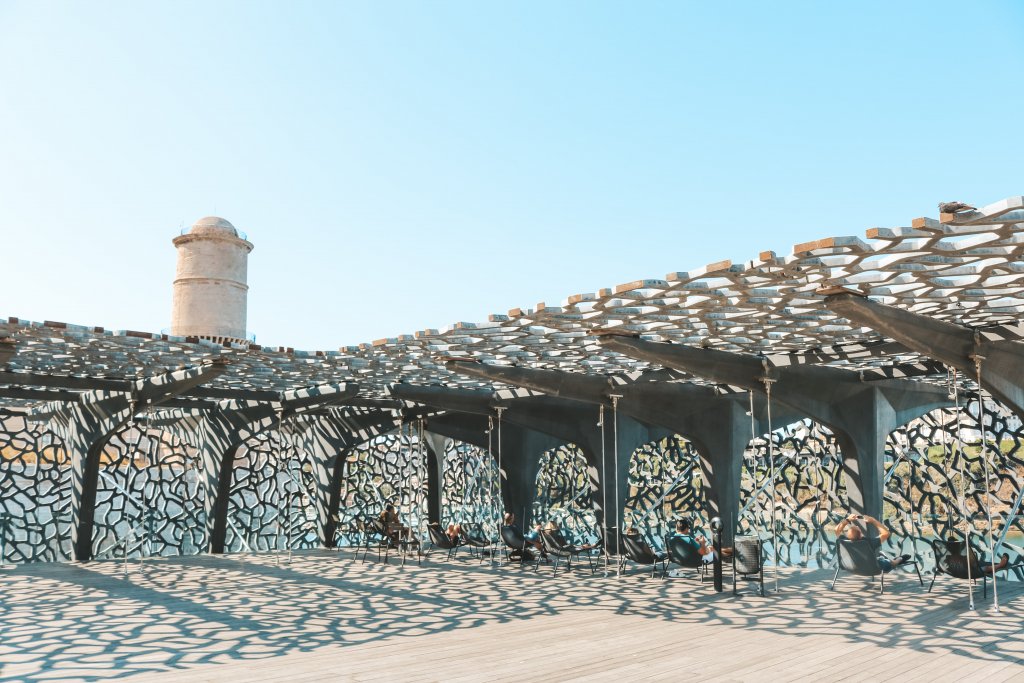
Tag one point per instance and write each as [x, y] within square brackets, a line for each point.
[501, 500]
[280, 458]
[771, 460]
[604, 490]
[756, 499]
[424, 479]
[963, 500]
[988, 480]
[131, 530]
[619, 514]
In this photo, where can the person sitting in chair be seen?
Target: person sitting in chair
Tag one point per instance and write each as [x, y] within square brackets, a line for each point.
[855, 528]
[391, 524]
[454, 532]
[957, 558]
[684, 532]
[532, 537]
[552, 528]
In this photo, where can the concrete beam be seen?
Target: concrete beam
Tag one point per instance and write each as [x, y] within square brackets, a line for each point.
[861, 414]
[570, 385]
[1002, 361]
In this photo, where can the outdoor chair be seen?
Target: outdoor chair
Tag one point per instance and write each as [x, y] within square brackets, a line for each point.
[556, 547]
[747, 561]
[439, 539]
[860, 558]
[685, 555]
[515, 542]
[638, 551]
[949, 560]
[375, 534]
[475, 544]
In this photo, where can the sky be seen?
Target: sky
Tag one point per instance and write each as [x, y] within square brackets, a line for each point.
[408, 165]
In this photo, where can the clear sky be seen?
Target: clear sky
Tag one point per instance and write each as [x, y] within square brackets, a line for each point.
[409, 165]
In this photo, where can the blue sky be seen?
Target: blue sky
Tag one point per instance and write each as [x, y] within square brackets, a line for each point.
[408, 165]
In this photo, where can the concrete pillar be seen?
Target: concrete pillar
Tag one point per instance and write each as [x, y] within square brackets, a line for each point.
[521, 449]
[568, 421]
[87, 426]
[219, 434]
[717, 426]
[860, 413]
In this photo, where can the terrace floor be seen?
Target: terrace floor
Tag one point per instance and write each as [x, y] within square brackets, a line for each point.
[326, 616]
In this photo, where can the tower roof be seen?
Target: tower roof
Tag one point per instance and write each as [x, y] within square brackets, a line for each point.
[213, 224]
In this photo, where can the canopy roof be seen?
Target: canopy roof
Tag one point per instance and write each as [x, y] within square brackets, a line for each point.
[965, 268]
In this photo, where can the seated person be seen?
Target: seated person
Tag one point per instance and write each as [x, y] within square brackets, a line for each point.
[684, 532]
[532, 537]
[855, 528]
[391, 524]
[454, 532]
[555, 532]
[958, 562]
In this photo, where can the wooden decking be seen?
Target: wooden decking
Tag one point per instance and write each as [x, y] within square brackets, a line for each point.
[328, 617]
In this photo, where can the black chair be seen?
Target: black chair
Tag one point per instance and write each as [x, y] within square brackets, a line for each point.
[374, 531]
[637, 551]
[516, 542]
[555, 546]
[860, 558]
[950, 560]
[441, 540]
[685, 555]
[747, 561]
[475, 543]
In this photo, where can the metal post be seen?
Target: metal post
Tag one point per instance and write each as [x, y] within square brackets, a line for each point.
[280, 457]
[501, 500]
[963, 499]
[988, 480]
[424, 482]
[771, 460]
[131, 529]
[619, 518]
[753, 475]
[716, 535]
[604, 490]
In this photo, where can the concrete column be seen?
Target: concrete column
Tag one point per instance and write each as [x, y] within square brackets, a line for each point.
[717, 425]
[860, 413]
[218, 434]
[521, 449]
[335, 437]
[86, 427]
[567, 420]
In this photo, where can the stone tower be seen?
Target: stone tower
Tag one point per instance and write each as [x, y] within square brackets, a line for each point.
[209, 285]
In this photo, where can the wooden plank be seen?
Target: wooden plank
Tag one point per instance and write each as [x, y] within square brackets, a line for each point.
[325, 617]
